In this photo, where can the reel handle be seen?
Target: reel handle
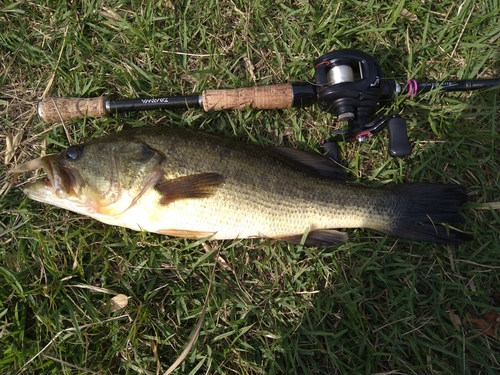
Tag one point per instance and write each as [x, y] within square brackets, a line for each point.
[399, 144]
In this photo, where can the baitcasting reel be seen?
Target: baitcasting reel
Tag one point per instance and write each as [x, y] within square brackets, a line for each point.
[350, 84]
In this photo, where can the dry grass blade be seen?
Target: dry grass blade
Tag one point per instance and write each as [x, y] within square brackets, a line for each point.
[489, 206]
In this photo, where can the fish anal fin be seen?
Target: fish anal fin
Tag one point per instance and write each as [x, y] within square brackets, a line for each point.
[192, 234]
[201, 185]
[320, 238]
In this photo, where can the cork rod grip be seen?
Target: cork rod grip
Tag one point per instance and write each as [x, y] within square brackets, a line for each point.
[62, 109]
[260, 97]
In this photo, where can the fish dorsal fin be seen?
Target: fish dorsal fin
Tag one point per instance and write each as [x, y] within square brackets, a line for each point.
[201, 185]
[320, 238]
[320, 164]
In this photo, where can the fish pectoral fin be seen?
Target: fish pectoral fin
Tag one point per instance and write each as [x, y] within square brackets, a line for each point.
[192, 234]
[321, 238]
[201, 185]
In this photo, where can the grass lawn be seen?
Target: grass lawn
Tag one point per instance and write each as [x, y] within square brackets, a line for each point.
[376, 305]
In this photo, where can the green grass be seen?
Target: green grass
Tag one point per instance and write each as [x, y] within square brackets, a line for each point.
[374, 305]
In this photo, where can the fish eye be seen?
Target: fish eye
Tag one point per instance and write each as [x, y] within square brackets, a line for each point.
[73, 153]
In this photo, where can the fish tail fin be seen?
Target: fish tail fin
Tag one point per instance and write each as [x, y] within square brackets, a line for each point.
[428, 207]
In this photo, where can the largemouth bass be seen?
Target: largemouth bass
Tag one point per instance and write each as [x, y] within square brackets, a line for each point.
[195, 185]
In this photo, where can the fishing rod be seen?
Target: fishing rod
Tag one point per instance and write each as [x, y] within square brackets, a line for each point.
[348, 83]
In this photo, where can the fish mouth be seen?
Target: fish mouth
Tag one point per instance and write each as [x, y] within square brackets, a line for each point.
[60, 180]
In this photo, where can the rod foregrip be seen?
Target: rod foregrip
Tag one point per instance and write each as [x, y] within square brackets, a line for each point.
[259, 97]
[63, 109]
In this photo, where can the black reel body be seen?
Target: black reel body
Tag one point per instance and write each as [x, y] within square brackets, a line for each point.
[350, 85]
